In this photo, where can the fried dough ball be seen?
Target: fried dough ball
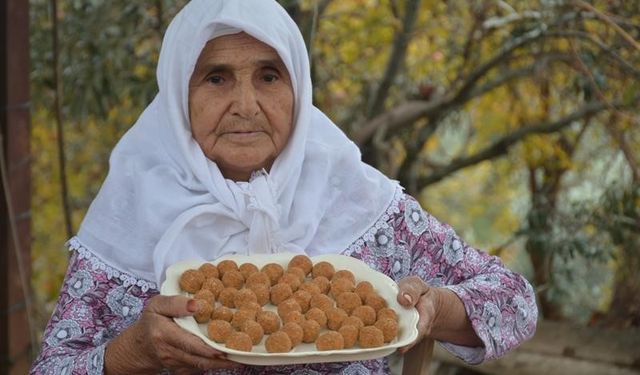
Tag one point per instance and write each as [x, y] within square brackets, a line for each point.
[310, 329]
[386, 312]
[318, 315]
[203, 311]
[350, 335]
[301, 261]
[214, 285]
[321, 301]
[254, 330]
[253, 306]
[248, 269]
[218, 330]
[353, 321]
[348, 301]
[227, 297]
[370, 337]
[330, 340]
[269, 321]
[288, 306]
[258, 278]
[274, 271]
[341, 285]
[292, 279]
[389, 328]
[206, 295]
[242, 316]
[366, 313]
[280, 292]
[323, 269]
[293, 317]
[191, 280]
[335, 317]
[303, 298]
[225, 266]
[310, 287]
[261, 291]
[244, 296]
[278, 342]
[374, 300]
[209, 270]
[239, 341]
[298, 272]
[323, 283]
[341, 274]
[295, 332]
[363, 288]
[233, 279]
[222, 313]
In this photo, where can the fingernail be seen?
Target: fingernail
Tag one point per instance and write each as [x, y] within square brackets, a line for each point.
[192, 305]
[408, 297]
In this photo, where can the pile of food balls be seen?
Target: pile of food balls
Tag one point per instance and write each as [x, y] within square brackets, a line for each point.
[314, 303]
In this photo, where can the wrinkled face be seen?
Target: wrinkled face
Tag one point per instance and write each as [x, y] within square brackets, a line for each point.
[240, 104]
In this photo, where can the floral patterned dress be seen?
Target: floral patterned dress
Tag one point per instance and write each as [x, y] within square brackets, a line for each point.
[98, 302]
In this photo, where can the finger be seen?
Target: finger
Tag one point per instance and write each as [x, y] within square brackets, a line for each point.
[190, 343]
[426, 313]
[410, 289]
[188, 361]
[172, 306]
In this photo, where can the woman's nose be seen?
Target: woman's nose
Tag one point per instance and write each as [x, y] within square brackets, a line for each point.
[245, 103]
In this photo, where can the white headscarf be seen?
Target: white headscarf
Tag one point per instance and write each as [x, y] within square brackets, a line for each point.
[164, 201]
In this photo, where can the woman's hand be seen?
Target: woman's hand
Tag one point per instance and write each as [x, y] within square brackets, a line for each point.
[442, 313]
[156, 342]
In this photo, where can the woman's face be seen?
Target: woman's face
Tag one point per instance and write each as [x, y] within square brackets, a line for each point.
[240, 104]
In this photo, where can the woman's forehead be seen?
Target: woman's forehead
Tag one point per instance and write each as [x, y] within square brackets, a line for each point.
[232, 43]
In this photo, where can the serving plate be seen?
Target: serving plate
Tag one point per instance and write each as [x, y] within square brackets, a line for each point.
[303, 353]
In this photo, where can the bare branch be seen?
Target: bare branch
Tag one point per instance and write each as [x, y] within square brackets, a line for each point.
[605, 18]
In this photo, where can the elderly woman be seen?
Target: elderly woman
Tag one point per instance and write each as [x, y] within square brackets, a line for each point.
[232, 158]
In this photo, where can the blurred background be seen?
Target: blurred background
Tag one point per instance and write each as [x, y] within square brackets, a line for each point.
[517, 122]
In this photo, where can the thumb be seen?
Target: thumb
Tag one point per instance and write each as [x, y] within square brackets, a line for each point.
[173, 306]
[410, 289]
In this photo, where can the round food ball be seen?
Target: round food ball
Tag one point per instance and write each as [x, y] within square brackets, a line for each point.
[227, 297]
[280, 292]
[206, 295]
[309, 287]
[293, 317]
[269, 321]
[254, 330]
[303, 298]
[302, 262]
[353, 321]
[278, 342]
[363, 288]
[342, 274]
[335, 317]
[259, 278]
[323, 283]
[253, 306]
[218, 330]
[370, 337]
[330, 340]
[366, 313]
[225, 266]
[222, 313]
[240, 317]
[191, 281]
[213, 285]
[209, 270]
[350, 335]
[341, 285]
[318, 315]
[348, 301]
[294, 330]
[261, 291]
[375, 300]
[324, 269]
[244, 296]
[239, 341]
[292, 279]
[287, 306]
[386, 312]
[298, 272]
[389, 328]
[321, 301]
[233, 279]
[203, 311]
[248, 269]
[274, 271]
[310, 329]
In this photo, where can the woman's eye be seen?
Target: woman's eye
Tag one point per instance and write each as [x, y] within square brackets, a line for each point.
[216, 80]
[270, 77]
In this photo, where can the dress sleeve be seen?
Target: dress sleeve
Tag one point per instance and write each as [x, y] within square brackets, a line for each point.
[499, 303]
[96, 303]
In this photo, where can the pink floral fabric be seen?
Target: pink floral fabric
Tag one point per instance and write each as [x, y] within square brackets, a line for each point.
[97, 302]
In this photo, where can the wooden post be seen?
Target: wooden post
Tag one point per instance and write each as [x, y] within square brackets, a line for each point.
[15, 337]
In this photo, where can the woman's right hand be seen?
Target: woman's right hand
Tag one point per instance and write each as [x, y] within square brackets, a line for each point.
[156, 342]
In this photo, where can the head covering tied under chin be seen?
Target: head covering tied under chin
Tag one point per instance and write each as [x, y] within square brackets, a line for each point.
[164, 201]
